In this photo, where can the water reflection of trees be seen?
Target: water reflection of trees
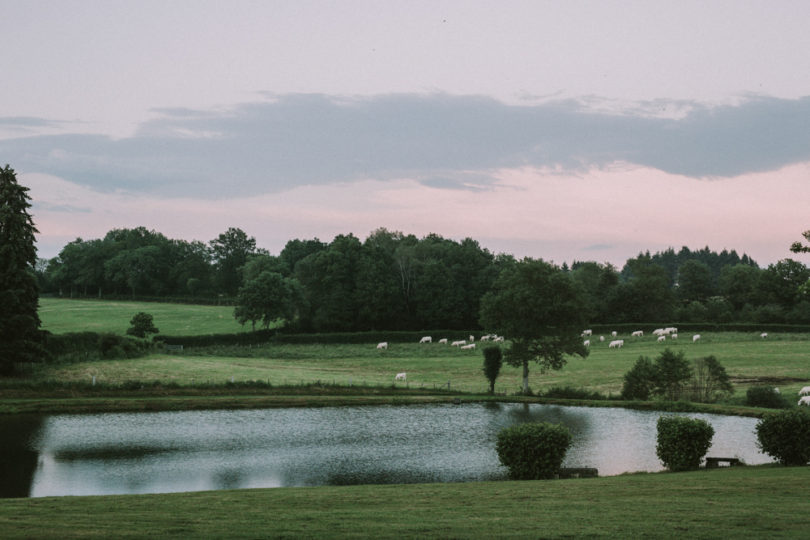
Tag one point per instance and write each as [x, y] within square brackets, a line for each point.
[18, 459]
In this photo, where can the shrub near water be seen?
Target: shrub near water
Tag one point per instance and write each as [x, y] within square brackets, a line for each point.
[785, 435]
[533, 451]
[682, 442]
[765, 396]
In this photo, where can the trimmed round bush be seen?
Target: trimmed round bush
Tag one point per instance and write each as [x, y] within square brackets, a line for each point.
[533, 451]
[682, 442]
[785, 435]
[765, 396]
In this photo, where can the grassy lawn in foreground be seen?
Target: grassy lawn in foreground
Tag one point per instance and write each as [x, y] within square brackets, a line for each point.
[60, 316]
[740, 502]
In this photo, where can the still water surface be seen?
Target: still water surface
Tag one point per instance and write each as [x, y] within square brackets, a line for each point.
[205, 450]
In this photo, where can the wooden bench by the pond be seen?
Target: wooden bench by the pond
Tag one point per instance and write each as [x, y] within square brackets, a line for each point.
[714, 462]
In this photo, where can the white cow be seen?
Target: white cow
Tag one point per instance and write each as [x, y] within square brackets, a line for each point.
[382, 345]
[658, 332]
[426, 339]
[638, 333]
[616, 344]
[695, 338]
[498, 338]
[670, 330]
[614, 333]
[458, 343]
[763, 335]
[468, 347]
[400, 377]
[601, 338]
[587, 333]
[673, 336]
[472, 338]
[485, 338]
[662, 338]
[443, 340]
[587, 342]
[804, 401]
[805, 391]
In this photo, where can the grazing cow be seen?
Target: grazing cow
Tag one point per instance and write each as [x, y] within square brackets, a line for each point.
[662, 339]
[498, 338]
[587, 342]
[763, 335]
[695, 338]
[616, 344]
[670, 330]
[458, 343]
[382, 345]
[468, 347]
[443, 340]
[673, 336]
[805, 401]
[658, 332]
[638, 333]
[805, 391]
[601, 338]
[400, 377]
[614, 333]
[426, 339]
[587, 333]
[485, 337]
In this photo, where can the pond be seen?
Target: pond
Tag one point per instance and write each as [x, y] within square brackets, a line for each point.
[208, 450]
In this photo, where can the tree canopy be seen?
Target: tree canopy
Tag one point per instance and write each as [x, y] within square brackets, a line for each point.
[538, 308]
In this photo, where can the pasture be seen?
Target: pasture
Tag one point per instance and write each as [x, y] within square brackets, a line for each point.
[780, 360]
[60, 315]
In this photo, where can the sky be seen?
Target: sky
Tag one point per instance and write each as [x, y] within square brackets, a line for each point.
[567, 131]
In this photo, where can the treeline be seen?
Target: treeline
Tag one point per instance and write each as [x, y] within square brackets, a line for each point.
[394, 281]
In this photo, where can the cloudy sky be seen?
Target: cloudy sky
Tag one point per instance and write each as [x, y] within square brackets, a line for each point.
[562, 130]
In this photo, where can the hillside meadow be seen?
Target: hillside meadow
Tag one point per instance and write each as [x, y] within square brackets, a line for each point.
[780, 359]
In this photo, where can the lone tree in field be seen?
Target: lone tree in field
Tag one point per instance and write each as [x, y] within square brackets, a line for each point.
[20, 337]
[540, 311]
[493, 360]
[142, 324]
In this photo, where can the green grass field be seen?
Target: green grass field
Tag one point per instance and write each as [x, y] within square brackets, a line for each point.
[780, 360]
[63, 315]
[739, 502]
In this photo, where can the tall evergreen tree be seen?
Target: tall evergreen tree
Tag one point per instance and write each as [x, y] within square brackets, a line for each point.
[20, 337]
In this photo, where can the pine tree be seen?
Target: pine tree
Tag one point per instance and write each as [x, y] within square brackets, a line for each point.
[20, 336]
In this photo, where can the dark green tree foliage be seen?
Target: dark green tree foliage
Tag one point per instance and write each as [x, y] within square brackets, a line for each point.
[682, 442]
[540, 311]
[798, 247]
[533, 451]
[694, 281]
[20, 337]
[141, 325]
[672, 372]
[765, 396]
[266, 298]
[645, 295]
[639, 382]
[785, 435]
[709, 380]
[493, 360]
[230, 251]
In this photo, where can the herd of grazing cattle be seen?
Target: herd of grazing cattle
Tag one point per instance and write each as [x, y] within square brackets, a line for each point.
[660, 333]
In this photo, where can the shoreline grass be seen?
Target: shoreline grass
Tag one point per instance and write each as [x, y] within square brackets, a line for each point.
[739, 502]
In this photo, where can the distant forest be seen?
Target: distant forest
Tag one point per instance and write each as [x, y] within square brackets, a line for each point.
[397, 281]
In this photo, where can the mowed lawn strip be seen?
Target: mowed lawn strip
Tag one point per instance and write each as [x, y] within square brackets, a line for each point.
[742, 502]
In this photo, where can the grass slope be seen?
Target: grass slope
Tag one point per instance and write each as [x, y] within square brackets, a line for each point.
[64, 315]
[742, 502]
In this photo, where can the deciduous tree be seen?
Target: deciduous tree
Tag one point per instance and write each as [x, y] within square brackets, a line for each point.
[540, 311]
